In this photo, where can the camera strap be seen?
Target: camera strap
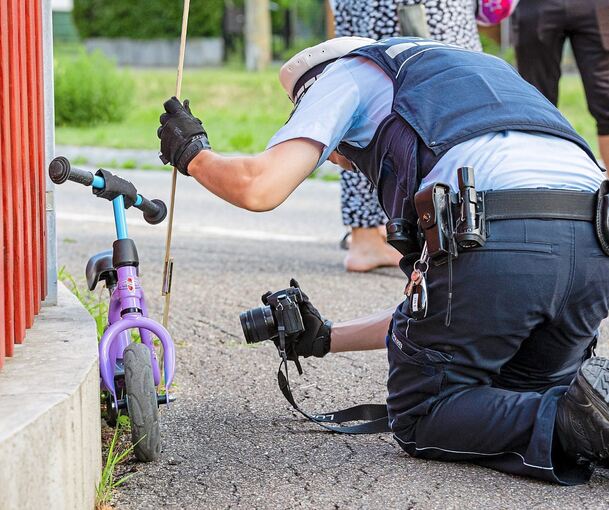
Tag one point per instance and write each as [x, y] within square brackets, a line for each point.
[375, 415]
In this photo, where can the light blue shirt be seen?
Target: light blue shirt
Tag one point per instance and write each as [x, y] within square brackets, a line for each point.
[353, 96]
[347, 102]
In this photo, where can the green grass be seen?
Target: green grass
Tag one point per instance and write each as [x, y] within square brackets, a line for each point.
[146, 166]
[572, 103]
[117, 453]
[130, 164]
[79, 160]
[331, 177]
[95, 303]
[241, 111]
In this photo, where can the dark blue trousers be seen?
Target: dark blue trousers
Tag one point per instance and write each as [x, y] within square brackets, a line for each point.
[525, 313]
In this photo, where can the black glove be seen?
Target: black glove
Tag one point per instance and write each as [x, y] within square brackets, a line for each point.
[315, 339]
[182, 135]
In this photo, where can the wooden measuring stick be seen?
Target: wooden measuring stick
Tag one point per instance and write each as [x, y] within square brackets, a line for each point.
[168, 268]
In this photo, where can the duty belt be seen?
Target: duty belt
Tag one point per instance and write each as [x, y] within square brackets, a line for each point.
[538, 204]
[450, 222]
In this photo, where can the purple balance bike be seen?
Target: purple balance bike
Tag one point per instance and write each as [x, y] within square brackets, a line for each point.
[130, 372]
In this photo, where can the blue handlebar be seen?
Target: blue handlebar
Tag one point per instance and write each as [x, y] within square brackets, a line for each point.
[154, 211]
[118, 205]
[98, 182]
[120, 218]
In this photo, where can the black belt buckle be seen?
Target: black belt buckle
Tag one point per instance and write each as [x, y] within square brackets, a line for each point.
[601, 218]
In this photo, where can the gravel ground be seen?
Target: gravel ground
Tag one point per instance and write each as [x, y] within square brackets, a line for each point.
[231, 440]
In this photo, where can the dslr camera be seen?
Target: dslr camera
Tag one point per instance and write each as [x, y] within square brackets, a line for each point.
[281, 307]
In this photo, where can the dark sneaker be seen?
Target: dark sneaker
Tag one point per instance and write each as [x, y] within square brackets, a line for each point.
[582, 420]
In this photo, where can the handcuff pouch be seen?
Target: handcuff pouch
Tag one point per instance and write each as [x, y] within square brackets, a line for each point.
[434, 209]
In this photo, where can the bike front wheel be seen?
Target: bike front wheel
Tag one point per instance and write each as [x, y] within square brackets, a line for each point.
[142, 403]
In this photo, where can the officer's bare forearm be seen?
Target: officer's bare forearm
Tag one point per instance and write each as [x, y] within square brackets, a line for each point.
[362, 334]
[260, 182]
[230, 178]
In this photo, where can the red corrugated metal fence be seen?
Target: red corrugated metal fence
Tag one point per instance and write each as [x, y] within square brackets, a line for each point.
[22, 178]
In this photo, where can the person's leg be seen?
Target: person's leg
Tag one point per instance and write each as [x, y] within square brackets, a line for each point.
[442, 403]
[591, 50]
[549, 357]
[362, 212]
[504, 430]
[553, 352]
[369, 250]
[603, 146]
[539, 38]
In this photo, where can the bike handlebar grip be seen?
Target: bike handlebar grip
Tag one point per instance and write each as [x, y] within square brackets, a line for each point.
[154, 210]
[60, 171]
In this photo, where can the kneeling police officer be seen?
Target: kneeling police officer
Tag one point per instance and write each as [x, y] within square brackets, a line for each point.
[490, 354]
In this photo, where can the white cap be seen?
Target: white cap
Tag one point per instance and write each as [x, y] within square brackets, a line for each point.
[307, 59]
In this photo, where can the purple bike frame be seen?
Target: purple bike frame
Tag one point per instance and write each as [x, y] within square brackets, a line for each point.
[124, 315]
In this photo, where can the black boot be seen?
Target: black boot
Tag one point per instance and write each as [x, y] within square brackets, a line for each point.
[582, 419]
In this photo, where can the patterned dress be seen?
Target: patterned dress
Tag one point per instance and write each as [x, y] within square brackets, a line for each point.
[450, 21]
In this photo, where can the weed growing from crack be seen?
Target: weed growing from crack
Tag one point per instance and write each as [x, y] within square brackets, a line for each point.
[94, 303]
[116, 454]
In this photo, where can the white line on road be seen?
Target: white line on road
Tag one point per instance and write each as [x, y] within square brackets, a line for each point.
[189, 228]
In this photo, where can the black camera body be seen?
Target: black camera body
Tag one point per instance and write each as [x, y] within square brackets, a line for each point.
[281, 307]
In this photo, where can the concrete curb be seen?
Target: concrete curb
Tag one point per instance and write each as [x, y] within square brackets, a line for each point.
[50, 438]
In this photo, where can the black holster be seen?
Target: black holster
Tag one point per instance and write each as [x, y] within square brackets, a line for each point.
[434, 208]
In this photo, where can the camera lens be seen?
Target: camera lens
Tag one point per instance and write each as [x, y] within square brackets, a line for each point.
[258, 324]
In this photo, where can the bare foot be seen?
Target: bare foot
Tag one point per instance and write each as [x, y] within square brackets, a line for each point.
[369, 250]
[383, 231]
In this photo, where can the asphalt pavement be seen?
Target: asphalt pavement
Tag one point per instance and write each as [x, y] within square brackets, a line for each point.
[231, 440]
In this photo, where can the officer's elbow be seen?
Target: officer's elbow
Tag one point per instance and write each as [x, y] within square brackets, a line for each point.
[257, 199]
[259, 192]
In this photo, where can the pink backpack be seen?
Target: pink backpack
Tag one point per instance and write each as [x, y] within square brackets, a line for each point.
[491, 12]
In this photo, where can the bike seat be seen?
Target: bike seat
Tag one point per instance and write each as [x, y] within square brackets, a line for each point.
[99, 268]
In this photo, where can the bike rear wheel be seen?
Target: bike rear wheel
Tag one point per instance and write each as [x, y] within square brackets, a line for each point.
[142, 403]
